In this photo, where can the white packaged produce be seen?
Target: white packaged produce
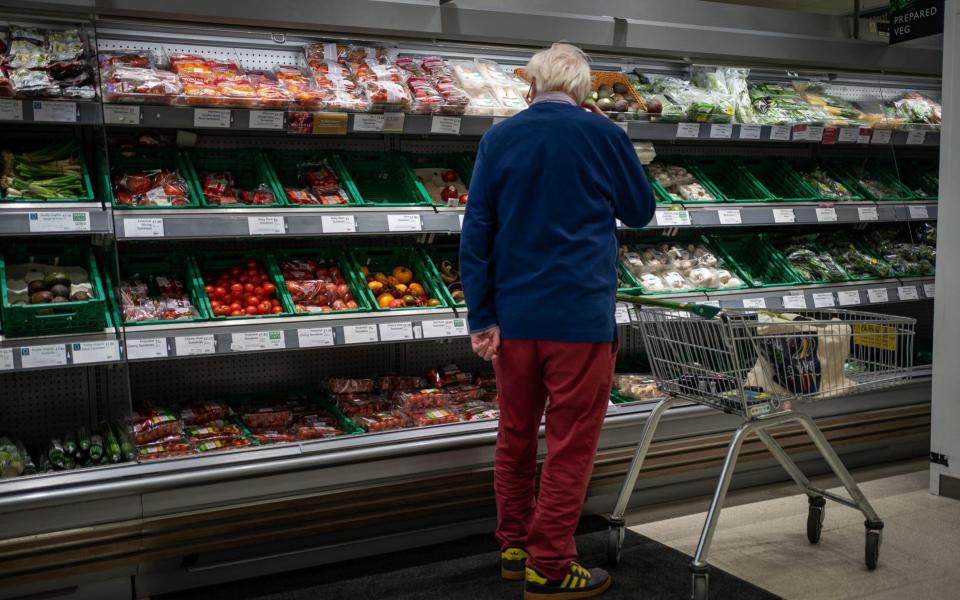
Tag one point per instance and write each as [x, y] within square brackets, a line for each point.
[677, 267]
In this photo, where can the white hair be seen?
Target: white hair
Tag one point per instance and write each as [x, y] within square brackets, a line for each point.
[561, 68]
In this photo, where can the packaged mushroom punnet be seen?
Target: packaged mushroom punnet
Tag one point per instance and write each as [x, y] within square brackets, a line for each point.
[678, 267]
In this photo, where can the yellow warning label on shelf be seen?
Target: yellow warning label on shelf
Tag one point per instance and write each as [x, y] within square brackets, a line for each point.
[882, 337]
[329, 123]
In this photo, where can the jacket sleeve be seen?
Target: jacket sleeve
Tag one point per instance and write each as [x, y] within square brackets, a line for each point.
[633, 202]
[476, 247]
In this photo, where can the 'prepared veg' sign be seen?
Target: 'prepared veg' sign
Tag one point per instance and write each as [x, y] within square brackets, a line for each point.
[912, 19]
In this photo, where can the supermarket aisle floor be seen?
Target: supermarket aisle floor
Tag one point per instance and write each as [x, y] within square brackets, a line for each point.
[761, 538]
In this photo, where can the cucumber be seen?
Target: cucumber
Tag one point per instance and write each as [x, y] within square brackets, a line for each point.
[70, 442]
[55, 453]
[83, 438]
[28, 467]
[126, 446]
[96, 447]
[112, 446]
[69, 464]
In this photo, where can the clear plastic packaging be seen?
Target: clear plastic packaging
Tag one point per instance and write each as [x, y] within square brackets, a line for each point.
[150, 188]
[201, 413]
[317, 286]
[220, 189]
[680, 183]
[348, 385]
[420, 400]
[468, 76]
[476, 411]
[401, 383]
[455, 99]
[265, 415]
[268, 90]
[382, 421]
[123, 83]
[637, 387]
[678, 267]
[155, 298]
[448, 375]
[503, 87]
[917, 108]
[154, 424]
[431, 416]
[301, 87]
[361, 405]
[458, 394]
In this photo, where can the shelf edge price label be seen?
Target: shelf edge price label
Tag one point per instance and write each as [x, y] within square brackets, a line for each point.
[750, 132]
[863, 135]
[95, 352]
[338, 224]
[723, 131]
[780, 133]
[121, 114]
[442, 328]
[929, 289]
[918, 212]
[877, 295]
[51, 222]
[54, 112]
[191, 345]
[916, 137]
[393, 332]
[360, 334]
[672, 218]
[6, 359]
[315, 337]
[142, 228]
[868, 213]
[146, 348]
[213, 118]
[404, 223]
[267, 225]
[784, 215]
[53, 355]
[445, 125]
[814, 133]
[907, 292]
[11, 110]
[848, 135]
[460, 216]
[688, 130]
[826, 215]
[729, 216]
[265, 119]
[393, 122]
[622, 314]
[848, 298]
[881, 136]
[369, 122]
[795, 301]
[256, 340]
[823, 300]
[754, 302]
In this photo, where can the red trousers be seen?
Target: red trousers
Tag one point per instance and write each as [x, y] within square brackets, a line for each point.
[577, 378]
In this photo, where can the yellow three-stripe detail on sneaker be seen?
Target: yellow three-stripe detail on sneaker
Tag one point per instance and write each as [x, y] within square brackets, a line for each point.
[514, 554]
[577, 577]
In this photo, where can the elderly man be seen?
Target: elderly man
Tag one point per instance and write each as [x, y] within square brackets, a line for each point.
[538, 256]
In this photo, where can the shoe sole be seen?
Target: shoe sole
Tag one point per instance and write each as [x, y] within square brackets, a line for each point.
[571, 595]
[512, 575]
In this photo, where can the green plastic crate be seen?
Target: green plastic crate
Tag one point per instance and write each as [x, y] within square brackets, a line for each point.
[781, 180]
[383, 260]
[385, 179]
[171, 265]
[87, 196]
[920, 180]
[731, 179]
[759, 263]
[70, 317]
[213, 264]
[780, 242]
[306, 394]
[288, 167]
[148, 159]
[434, 256]
[345, 422]
[634, 284]
[663, 196]
[247, 167]
[325, 257]
[854, 172]
[860, 244]
[802, 168]
[460, 162]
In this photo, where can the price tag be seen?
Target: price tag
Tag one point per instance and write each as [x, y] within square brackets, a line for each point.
[393, 122]
[329, 123]
[447, 125]
[754, 302]
[881, 136]
[877, 295]
[780, 133]
[32, 357]
[339, 224]
[622, 314]
[11, 110]
[6, 359]
[750, 132]
[55, 112]
[784, 215]
[794, 301]
[147, 348]
[848, 135]
[46, 222]
[814, 133]
[827, 215]
[216, 118]
[688, 130]
[267, 225]
[315, 337]
[868, 213]
[729, 216]
[863, 135]
[142, 228]
[929, 289]
[190, 345]
[848, 298]
[359, 334]
[392, 332]
[445, 328]
[256, 340]
[265, 119]
[907, 292]
[830, 136]
[368, 122]
[721, 131]
[823, 300]
[117, 114]
[95, 352]
[919, 212]
[916, 137]
[672, 218]
[799, 133]
[461, 221]
[404, 223]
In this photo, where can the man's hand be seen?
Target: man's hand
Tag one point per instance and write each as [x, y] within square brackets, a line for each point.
[486, 343]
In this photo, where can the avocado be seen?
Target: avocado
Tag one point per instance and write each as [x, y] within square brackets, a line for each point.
[617, 97]
[619, 88]
[605, 104]
[620, 105]
[59, 299]
[37, 285]
[79, 296]
[605, 91]
[54, 278]
[41, 298]
[60, 290]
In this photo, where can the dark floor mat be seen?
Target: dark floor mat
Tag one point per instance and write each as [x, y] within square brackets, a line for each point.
[468, 569]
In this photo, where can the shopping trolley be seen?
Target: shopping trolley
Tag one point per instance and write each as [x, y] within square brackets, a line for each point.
[758, 364]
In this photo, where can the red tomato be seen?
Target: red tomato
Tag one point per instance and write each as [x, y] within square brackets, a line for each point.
[219, 291]
[258, 291]
[226, 299]
[269, 289]
[252, 301]
[235, 271]
[274, 302]
[326, 308]
[251, 310]
[343, 290]
[463, 198]
[351, 305]
[450, 176]
[236, 290]
[215, 304]
[293, 287]
[276, 310]
[236, 307]
[252, 264]
[237, 313]
[243, 279]
[265, 308]
[248, 288]
[448, 192]
[209, 289]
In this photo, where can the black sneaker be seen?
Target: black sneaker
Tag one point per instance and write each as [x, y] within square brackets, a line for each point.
[578, 583]
[512, 563]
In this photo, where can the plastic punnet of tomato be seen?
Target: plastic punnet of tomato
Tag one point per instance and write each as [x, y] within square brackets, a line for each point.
[320, 284]
[383, 421]
[238, 287]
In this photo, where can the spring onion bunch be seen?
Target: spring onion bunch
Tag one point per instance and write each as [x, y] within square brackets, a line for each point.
[50, 172]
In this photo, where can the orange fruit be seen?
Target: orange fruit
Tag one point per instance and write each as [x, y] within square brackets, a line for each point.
[401, 289]
[384, 300]
[416, 289]
[403, 274]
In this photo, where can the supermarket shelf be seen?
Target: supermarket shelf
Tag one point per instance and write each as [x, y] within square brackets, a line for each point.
[849, 295]
[58, 112]
[790, 213]
[923, 135]
[81, 218]
[52, 351]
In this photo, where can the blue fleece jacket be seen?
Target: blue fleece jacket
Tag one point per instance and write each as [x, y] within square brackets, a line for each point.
[538, 249]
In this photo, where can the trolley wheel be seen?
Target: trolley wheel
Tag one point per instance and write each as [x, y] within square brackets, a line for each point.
[615, 537]
[815, 519]
[700, 587]
[872, 554]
